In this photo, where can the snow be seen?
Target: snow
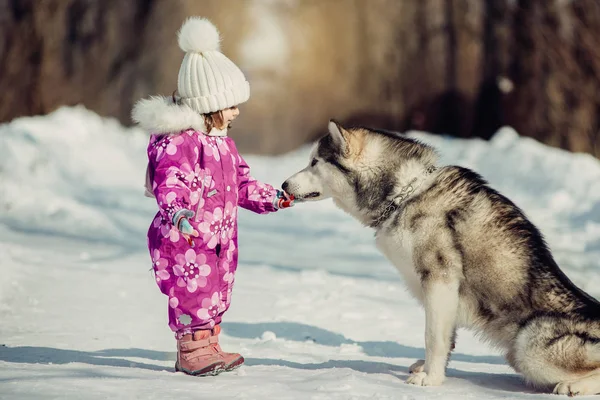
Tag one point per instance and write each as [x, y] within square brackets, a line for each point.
[317, 311]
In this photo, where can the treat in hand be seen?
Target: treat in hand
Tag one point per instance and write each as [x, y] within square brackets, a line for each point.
[284, 200]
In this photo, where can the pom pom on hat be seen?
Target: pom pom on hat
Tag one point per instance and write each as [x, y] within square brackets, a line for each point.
[198, 35]
[208, 81]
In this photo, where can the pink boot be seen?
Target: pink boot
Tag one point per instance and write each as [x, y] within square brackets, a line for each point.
[197, 355]
[232, 360]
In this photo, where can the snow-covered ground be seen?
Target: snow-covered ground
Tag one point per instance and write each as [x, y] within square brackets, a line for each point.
[317, 311]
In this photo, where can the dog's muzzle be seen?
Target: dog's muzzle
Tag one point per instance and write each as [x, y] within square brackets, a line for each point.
[293, 190]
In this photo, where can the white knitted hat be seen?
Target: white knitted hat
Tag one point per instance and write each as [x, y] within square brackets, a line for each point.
[208, 81]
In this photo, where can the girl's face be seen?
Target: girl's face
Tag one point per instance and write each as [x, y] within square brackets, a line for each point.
[229, 114]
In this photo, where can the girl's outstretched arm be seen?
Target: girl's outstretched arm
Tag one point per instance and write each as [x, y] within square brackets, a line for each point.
[256, 196]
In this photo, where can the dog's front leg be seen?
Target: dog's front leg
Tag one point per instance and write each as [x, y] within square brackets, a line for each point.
[441, 308]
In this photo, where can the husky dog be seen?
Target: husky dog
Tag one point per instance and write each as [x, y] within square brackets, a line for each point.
[466, 252]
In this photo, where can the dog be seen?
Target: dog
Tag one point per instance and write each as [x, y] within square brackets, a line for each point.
[467, 253]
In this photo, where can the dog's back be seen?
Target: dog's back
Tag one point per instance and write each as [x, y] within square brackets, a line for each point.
[509, 274]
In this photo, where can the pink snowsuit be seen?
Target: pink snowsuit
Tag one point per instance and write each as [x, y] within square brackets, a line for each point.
[205, 174]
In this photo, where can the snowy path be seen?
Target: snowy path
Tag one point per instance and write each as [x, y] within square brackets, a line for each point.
[317, 311]
[92, 324]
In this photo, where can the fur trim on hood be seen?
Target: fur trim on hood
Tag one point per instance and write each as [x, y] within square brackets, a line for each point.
[159, 115]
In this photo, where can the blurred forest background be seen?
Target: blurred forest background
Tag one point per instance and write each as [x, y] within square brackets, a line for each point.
[458, 67]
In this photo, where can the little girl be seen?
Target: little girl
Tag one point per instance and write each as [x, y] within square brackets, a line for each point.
[198, 179]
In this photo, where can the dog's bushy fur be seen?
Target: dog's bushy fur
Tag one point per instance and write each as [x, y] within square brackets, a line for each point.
[466, 252]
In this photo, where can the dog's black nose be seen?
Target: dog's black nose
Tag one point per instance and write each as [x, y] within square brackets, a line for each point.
[285, 186]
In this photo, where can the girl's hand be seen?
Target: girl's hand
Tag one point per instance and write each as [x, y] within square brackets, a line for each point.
[283, 200]
[182, 223]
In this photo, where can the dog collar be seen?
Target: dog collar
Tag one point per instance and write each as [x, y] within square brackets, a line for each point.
[397, 201]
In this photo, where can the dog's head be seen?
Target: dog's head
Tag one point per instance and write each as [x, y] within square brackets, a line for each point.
[358, 167]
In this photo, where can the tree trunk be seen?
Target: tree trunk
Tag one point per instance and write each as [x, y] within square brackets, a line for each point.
[459, 67]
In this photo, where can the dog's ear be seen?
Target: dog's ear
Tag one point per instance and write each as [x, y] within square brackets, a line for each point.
[339, 135]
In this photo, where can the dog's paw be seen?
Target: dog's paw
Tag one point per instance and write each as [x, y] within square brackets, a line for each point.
[423, 379]
[419, 366]
[580, 387]
[564, 388]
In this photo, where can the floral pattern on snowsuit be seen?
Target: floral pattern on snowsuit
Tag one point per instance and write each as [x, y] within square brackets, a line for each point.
[207, 175]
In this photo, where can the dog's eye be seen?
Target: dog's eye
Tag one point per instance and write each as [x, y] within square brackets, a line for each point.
[314, 162]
